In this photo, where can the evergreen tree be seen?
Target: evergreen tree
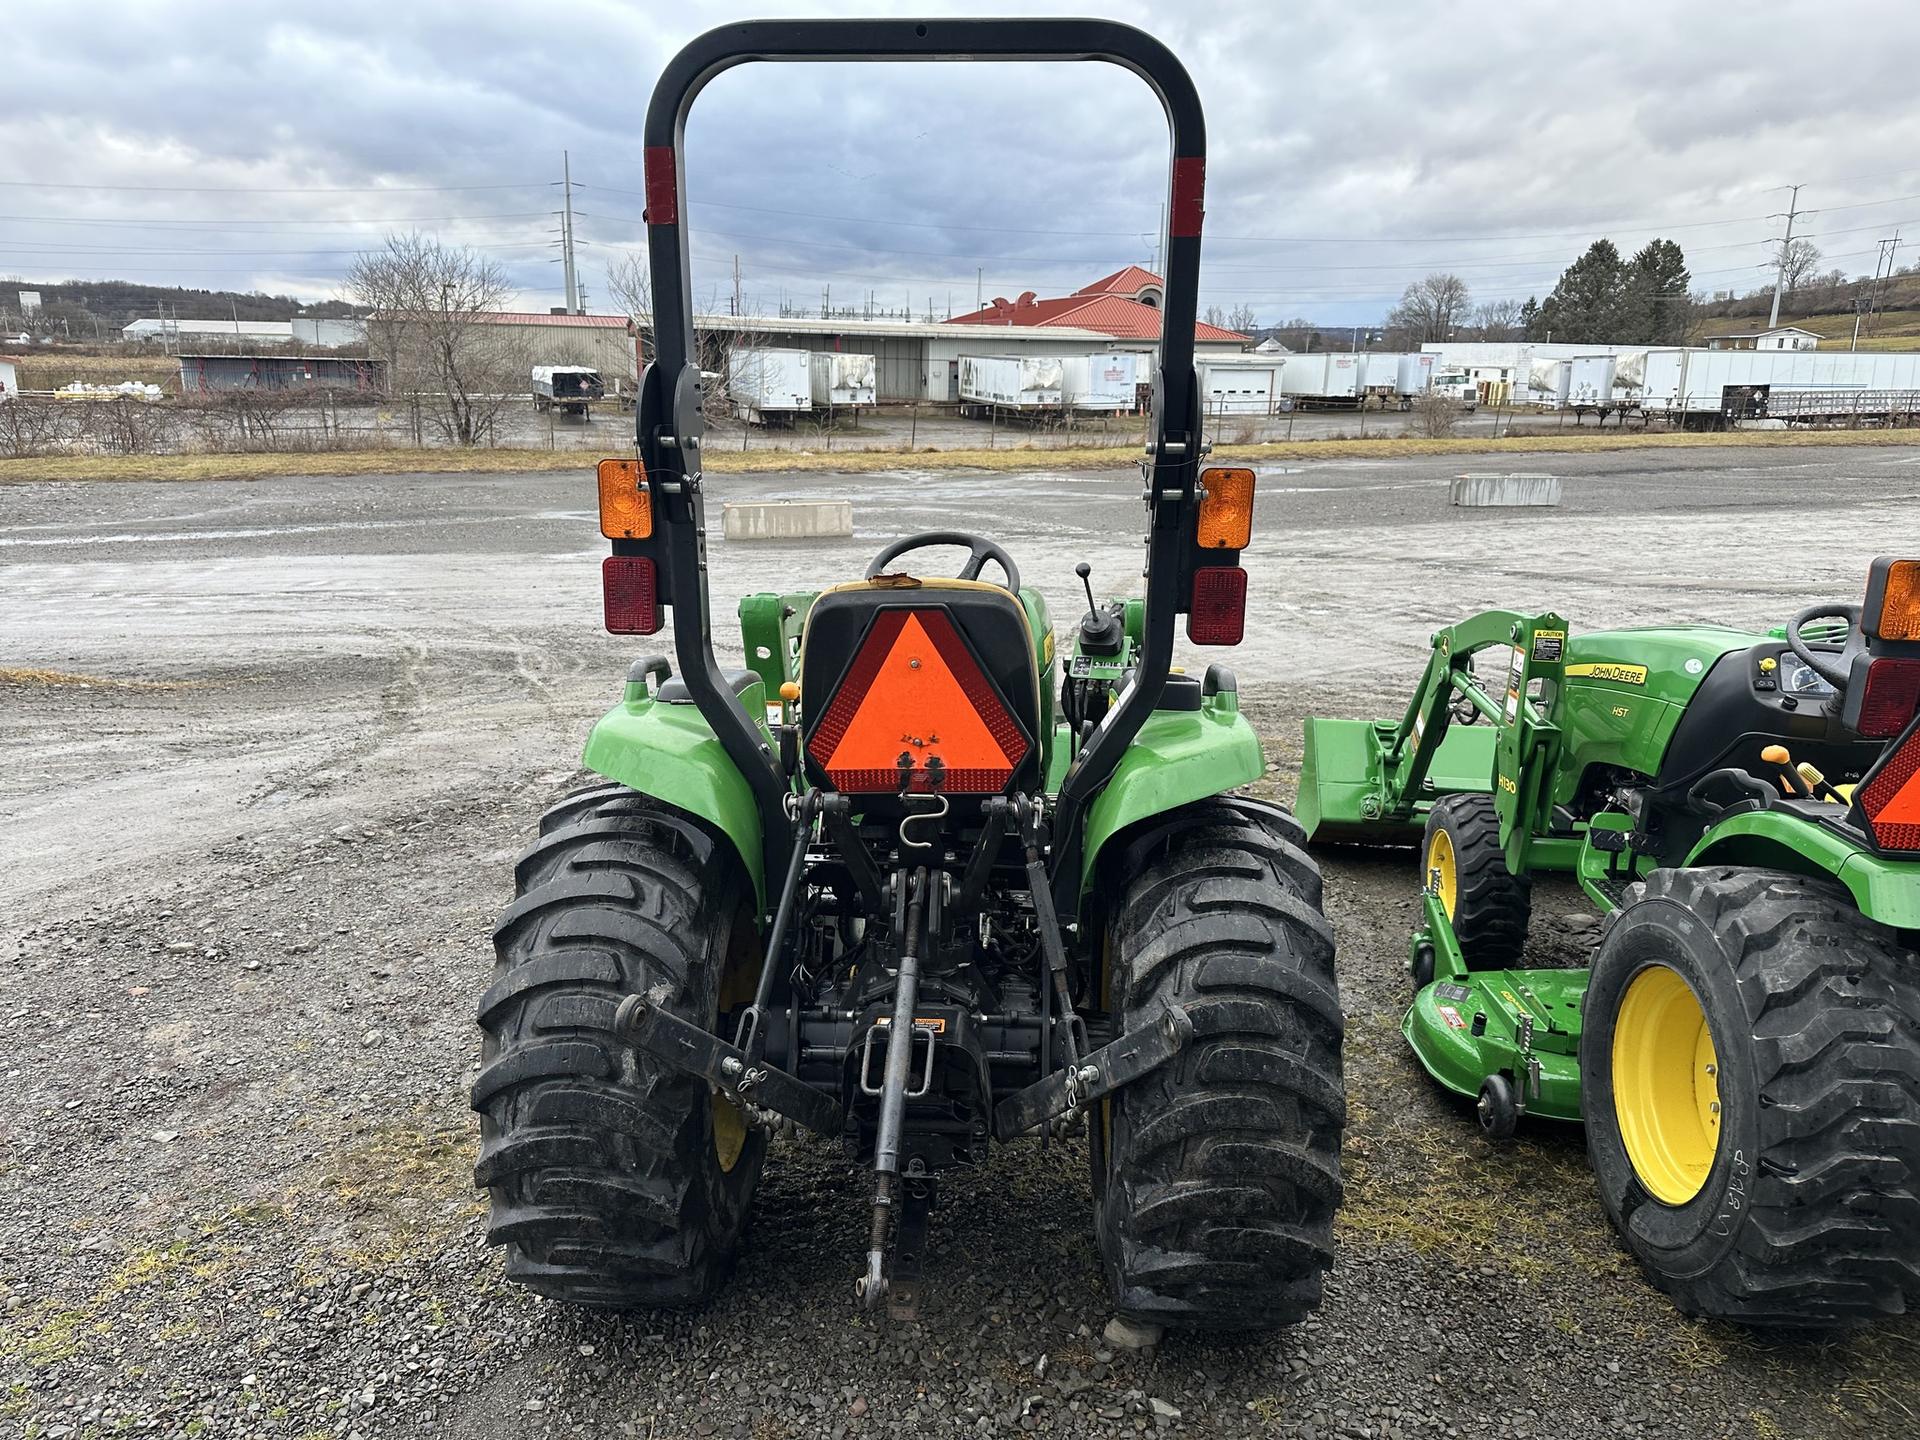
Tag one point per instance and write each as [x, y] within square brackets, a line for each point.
[1658, 305]
[1530, 319]
[1586, 306]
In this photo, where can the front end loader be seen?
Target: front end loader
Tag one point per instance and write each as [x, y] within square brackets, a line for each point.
[1744, 812]
[918, 878]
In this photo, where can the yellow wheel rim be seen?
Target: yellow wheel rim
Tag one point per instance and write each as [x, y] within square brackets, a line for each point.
[1443, 880]
[729, 1130]
[1666, 1085]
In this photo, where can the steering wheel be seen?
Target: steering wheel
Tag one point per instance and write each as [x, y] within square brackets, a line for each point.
[1828, 666]
[979, 551]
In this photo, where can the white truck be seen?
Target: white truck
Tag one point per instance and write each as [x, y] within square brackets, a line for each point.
[1458, 386]
[1030, 384]
[764, 383]
[1240, 387]
[570, 389]
[1104, 383]
[842, 380]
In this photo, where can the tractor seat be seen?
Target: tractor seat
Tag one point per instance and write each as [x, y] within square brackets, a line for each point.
[675, 692]
[922, 685]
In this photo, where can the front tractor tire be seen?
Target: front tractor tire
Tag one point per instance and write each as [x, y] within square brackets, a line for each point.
[614, 1181]
[1218, 1175]
[1463, 863]
[1750, 1069]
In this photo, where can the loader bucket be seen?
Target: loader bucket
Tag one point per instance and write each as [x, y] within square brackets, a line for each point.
[1342, 770]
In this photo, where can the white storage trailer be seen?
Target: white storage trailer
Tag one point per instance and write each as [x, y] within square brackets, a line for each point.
[1107, 382]
[1754, 384]
[1395, 377]
[1590, 382]
[764, 383]
[1011, 382]
[1240, 387]
[1323, 379]
[570, 389]
[842, 380]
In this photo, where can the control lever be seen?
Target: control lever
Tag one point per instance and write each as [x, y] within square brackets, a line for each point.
[1790, 780]
[1101, 633]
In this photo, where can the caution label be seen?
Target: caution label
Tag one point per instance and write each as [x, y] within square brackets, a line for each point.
[1549, 645]
[1608, 670]
[1451, 1016]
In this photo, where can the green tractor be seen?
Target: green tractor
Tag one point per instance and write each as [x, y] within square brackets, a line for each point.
[918, 878]
[1744, 810]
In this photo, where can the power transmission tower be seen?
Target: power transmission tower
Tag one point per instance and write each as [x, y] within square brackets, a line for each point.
[566, 235]
[1786, 245]
[1888, 248]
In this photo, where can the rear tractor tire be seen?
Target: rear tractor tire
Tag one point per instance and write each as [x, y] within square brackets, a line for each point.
[1750, 1071]
[1462, 862]
[1218, 1175]
[614, 1181]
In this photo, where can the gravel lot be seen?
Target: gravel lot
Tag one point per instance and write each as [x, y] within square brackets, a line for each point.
[251, 865]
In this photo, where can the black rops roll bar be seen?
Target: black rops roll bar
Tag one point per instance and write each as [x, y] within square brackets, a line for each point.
[670, 424]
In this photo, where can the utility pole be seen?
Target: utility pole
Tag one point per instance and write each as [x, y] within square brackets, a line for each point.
[736, 284]
[566, 235]
[1780, 276]
[978, 271]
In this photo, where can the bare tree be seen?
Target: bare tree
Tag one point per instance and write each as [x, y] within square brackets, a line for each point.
[630, 286]
[1498, 320]
[432, 322]
[1430, 309]
[1215, 317]
[1797, 259]
[1242, 320]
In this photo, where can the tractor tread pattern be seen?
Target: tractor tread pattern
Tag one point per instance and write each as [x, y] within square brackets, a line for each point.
[1493, 905]
[1217, 1208]
[598, 1162]
[1833, 1221]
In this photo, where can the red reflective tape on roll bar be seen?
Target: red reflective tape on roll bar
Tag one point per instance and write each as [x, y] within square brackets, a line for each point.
[663, 189]
[1189, 195]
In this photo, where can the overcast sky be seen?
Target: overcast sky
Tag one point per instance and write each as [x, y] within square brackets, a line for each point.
[1352, 147]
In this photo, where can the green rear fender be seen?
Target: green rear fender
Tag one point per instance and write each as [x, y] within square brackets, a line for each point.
[670, 753]
[1885, 890]
[1179, 756]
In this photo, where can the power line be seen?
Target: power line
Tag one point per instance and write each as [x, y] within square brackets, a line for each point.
[273, 189]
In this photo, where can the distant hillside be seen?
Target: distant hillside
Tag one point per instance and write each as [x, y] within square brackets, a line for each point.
[83, 307]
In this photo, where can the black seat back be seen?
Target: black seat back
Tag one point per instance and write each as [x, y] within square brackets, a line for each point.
[920, 685]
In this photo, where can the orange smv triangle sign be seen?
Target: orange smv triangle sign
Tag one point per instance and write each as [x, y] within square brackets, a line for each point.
[1904, 807]
[916, 707]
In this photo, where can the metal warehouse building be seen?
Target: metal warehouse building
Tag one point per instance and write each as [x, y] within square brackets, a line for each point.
[202, 373]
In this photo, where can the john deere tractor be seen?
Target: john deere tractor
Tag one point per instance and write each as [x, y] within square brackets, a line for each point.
[1744, 811]
[919, 878]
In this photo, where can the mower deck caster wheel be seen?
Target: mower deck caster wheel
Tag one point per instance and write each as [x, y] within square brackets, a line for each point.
[1421, 966]
[1499, 1113]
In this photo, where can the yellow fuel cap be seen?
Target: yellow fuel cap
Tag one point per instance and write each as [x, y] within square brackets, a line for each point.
[789, 691]
[1768, 664]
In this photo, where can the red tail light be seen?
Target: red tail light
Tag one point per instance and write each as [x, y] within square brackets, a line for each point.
[1892, 695]
[1889, 797]
[630, 589]
[1217, 613]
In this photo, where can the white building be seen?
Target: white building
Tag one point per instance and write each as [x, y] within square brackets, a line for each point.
[1783, 337]
[172, 331]
[9, 380]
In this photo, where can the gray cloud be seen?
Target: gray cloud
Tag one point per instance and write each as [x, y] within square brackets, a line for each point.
[1352, 149]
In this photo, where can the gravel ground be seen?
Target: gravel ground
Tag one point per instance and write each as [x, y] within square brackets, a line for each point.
[255, 847]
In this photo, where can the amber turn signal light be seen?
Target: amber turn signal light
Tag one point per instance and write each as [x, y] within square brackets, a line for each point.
[1226, 514]
[626, 509]
[1893, 600]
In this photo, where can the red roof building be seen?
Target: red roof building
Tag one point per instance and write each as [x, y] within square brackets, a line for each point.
[1125, 305]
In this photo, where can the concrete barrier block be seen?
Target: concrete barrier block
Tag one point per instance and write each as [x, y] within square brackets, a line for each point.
[786, 519]
[1489, 488]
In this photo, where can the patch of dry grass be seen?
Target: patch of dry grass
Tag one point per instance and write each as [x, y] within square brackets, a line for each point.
[69, 468]
[49, 370]
[30, 676]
